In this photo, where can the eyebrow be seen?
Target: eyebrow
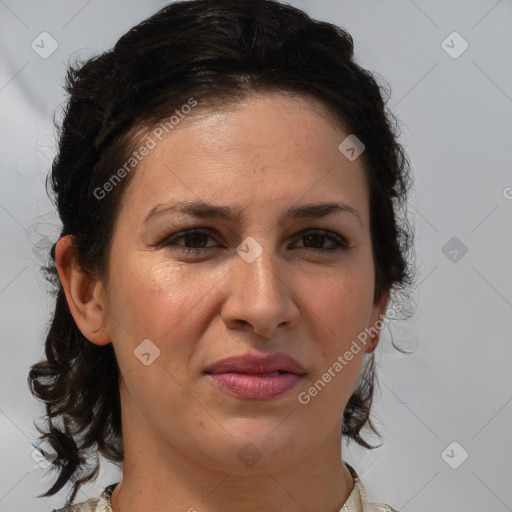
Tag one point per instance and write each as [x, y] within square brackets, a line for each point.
[205, 210]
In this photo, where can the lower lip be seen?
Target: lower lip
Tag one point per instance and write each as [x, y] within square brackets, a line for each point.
[253, 387]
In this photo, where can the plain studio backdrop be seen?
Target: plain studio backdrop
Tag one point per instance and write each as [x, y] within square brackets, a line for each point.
[445, 411]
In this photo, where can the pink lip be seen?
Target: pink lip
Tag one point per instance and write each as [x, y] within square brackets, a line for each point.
[257, 363]
[252, 387]
[242, 376]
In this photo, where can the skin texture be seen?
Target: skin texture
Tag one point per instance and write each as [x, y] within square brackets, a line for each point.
[181, 434]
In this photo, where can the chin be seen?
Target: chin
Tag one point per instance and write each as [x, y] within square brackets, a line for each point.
[260, 448]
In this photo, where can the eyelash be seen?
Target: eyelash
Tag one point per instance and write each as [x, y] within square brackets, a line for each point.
[342, 246]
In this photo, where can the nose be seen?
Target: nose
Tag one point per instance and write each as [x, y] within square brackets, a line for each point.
[261, 295]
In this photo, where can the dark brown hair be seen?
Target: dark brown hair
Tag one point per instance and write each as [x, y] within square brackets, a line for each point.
[217, 52]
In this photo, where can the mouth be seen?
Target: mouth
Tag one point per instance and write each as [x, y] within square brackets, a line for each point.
[269, 374]
[255, 386]
[257, 364]
[255, 376]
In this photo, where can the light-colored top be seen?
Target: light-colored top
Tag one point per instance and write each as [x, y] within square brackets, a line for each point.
[356, 502]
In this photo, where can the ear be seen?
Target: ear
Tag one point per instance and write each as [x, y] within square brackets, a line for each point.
[84, 293]
[376, 322]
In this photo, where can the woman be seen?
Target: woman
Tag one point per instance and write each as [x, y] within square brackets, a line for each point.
[230, 186]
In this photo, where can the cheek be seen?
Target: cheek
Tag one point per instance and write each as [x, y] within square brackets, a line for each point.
[343, 303]
[151, 297]
[340, 311]
[159, 300]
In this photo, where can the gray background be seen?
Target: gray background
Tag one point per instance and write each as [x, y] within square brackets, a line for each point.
[456, 116]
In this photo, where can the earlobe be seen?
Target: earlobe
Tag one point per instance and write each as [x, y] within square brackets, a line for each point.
[372, 344]
[84, 293]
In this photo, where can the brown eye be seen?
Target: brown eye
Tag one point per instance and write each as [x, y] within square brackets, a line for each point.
[314, 240]
[194, 240]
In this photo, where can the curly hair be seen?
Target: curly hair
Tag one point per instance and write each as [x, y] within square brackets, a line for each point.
[218, 52]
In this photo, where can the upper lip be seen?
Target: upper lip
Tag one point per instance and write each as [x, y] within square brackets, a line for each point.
[255, 363]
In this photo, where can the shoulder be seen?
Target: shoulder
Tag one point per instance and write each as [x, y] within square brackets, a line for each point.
[358, 501]
[89, 505]
[381, 507]
[100, 503]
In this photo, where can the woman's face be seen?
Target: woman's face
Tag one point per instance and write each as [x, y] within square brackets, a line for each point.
[256, 281]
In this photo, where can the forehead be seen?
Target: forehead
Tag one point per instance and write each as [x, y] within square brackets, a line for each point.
[264, 149]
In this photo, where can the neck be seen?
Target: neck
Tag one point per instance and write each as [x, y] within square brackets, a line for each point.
[161, 476]
[185, 486]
